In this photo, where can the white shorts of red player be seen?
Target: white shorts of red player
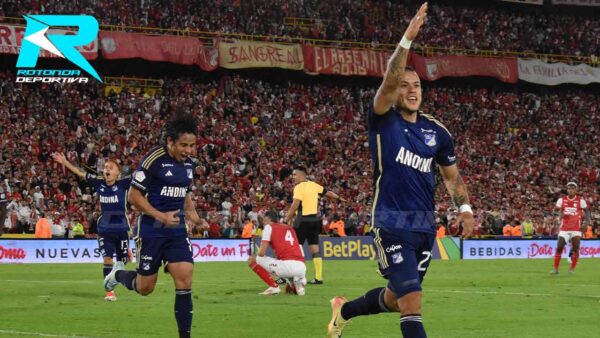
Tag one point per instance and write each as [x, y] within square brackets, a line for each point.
[568, 235]
[292, 269]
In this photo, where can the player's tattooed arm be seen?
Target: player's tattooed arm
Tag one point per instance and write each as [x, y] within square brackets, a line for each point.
[387, 93]
[458, 190]
[455, 185]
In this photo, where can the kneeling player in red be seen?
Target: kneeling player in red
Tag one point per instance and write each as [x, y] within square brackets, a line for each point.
[290, 258]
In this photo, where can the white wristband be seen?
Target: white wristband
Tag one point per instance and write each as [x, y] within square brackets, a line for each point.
[465, 208]
[405, 43]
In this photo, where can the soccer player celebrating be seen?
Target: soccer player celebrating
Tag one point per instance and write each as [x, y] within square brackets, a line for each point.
[306, 200]
[290, 259]
[572, 208]
[113, 224]
[407, 146]
[161, 189]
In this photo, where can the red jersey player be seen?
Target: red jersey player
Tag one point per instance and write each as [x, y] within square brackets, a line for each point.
[572, 208]
[290, 258]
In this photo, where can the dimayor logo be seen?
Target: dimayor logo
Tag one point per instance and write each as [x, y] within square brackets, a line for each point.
[60, 44]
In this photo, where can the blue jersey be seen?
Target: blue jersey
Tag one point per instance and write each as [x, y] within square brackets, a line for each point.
[404, 158]
[165, 182]
[113, 203]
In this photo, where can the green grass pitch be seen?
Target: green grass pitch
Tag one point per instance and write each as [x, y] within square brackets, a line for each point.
[494, 298]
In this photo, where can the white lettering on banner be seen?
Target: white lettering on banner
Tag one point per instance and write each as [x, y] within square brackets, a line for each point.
[87, 251]
[551, 74]
[542, 248]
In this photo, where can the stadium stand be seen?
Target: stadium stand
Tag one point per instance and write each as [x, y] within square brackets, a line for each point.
[253, 131]
[465, 24]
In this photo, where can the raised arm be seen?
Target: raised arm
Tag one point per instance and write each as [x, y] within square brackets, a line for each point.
[60, 158]
[387, 93]
[460, 196]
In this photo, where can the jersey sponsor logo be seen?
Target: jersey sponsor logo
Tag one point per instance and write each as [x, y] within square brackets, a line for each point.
[190, 173]
[109, 199]
[414, 161]
[167, 165]
[393, 248]
[115, 188]
[173, 191]
[431, 131]
[451, 158]
[570, 211]
[430, 140]
[169, 173]
[139, 176]
[102, 189]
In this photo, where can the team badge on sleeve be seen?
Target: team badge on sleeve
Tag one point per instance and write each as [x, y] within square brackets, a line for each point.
[139, 176]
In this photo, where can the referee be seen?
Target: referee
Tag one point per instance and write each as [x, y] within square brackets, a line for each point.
[306, 202]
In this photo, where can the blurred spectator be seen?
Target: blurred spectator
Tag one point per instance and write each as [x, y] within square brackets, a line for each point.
[42, 228]
[337, 227]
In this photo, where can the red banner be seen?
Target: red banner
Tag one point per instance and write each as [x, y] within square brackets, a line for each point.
[251, 54]
[435, 67]
[11, 38]
[326, 60]
[181, 50]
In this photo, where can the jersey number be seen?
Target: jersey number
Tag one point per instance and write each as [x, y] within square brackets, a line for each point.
[289, 237]
[427, 255]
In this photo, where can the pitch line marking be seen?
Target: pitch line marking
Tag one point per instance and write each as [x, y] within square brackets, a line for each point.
[39, 334]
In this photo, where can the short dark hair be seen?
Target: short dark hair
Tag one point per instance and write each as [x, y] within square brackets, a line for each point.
[302, 168]
[181, 123]
[410, 69]
[273, 215]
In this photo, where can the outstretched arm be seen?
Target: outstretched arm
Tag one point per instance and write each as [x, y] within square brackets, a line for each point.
[60, 158]
[460, 196]
[387, 93]
[334, 196]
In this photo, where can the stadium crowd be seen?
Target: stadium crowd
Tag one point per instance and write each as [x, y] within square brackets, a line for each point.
[517, 150]
[464, 26]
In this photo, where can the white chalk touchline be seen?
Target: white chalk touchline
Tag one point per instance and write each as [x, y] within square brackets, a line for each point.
[12, 332]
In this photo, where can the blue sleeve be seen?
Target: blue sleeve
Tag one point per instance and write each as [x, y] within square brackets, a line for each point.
[93, 180]
[125, 182]
[142, 178]
[375, 120]
[445, 155]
